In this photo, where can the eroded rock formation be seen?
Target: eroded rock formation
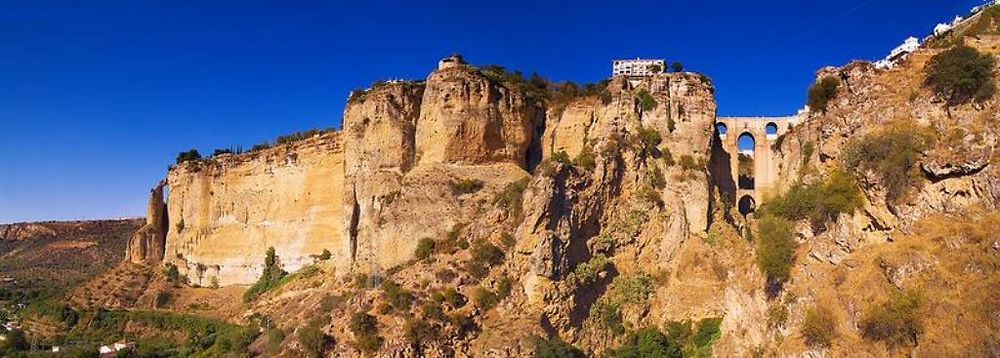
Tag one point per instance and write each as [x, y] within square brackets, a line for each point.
[147, 245]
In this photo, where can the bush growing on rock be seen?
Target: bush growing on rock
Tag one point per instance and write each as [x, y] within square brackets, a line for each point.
[962, 74]
[821, 92]
[269, 279]
[624, 290]
[896, 321]
[819, 202]
[776, 248]
[554, 348]
[511, 196]
[650, 139]
[191, 154]
[171, 272]
[585, 274]
[485, 255]
[484, 298]
[365, 330]
[646, 100]
[585, 159]
[648, 342]
[397, 297]
[312, 338]
[819, 327]
[425, 247]
[892, 155]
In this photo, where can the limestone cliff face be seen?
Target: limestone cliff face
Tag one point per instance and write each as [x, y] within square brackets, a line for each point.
[148, 243]
[409, 143]
[224, 212]
[468, 119]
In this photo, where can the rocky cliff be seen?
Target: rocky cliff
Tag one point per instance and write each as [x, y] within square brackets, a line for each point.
[490, 210]
[225, 211]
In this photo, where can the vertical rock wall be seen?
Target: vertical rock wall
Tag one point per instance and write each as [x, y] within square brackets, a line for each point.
[224, 212]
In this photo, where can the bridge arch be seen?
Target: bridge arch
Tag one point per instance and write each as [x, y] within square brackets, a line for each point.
[771, 130]
[747, 205]
[746, 143]
[721, 129]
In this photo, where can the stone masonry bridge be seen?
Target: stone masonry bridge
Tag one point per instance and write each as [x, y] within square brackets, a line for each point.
[746, 145]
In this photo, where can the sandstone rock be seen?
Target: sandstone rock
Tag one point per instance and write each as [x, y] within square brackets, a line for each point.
[225, 212]
[467, 118]
[147, 245]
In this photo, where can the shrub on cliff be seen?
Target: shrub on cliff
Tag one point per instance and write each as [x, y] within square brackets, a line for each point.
[648, 342]
[397, 297]
[775, 248]
[485, 255]
[650, 138]
[819, 327]
[511, 197]
[646, 101]
[892, 155]
[677, 66]
[624, 290]
[554, 348]
[962, 74]
[821, 92]
[897, 321]
[425, 247]
[365, 330]
[171, 272]
[312, 338]
[819, 202]
[191, 154]
[585, 158]
[269, 279]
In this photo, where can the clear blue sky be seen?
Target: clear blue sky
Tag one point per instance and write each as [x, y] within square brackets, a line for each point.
[97, 97]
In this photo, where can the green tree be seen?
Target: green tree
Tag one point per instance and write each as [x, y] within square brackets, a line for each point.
[554, 348]
[646, 100]
[677, 66]
[962, 74]
[648, 342]
[191, 154]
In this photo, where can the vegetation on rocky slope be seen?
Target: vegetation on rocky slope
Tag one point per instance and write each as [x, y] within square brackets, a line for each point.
[962, 74]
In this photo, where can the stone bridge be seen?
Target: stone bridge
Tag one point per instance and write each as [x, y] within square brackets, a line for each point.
[745, 164]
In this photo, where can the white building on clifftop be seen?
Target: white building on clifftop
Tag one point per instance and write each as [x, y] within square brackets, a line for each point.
[638, 67]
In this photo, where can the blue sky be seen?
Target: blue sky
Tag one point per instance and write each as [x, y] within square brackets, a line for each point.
[97, 97]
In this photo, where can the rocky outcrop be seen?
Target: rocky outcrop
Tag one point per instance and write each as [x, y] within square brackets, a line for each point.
[225, 211]
[147, 245]
[410, 143]
[468, 118]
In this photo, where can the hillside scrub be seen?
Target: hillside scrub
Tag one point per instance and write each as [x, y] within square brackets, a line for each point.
[775, 248]
[819, 327]
[624, 290]
[819, 202]
[269, 279]
[585, 159]
[311, 337]
[365, 330]
[896, 321]
[961, 74]
[554, 348]
[485, 255]
[425, 247]
[821, 92]
[891, 155]
[648, 342]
